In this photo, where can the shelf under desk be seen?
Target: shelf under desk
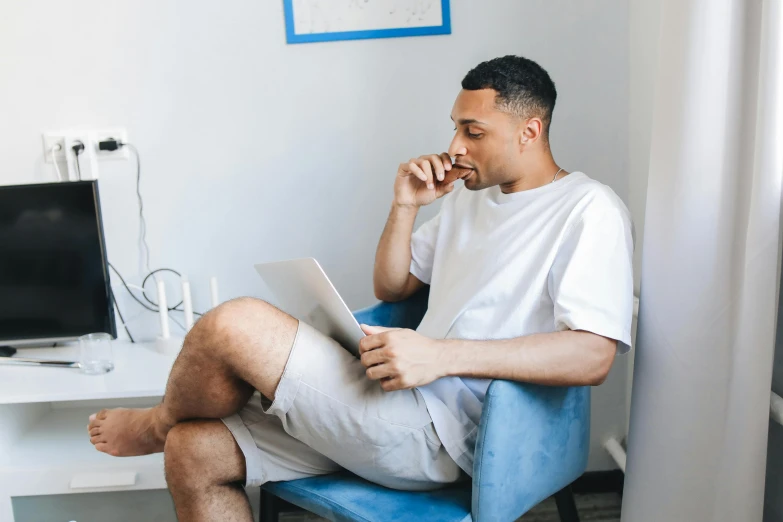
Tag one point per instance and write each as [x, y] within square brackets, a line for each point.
[44, 445]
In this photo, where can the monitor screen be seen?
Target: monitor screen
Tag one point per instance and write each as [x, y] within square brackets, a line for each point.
[54, 282]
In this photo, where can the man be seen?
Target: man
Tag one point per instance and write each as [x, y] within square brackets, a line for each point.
[530, 279]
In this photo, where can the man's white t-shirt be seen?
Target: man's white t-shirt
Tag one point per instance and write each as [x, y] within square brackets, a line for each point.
[499, 266]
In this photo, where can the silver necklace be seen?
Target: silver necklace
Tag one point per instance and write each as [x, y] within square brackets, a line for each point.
[556, 173]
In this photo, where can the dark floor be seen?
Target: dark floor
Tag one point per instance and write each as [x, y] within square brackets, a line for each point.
[593, 507]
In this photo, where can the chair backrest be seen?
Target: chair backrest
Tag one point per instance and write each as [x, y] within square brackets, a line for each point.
[402, 314]
[533, 440]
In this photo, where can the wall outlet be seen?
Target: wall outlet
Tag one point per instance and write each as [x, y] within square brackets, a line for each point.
[118, 134]
[90, 137]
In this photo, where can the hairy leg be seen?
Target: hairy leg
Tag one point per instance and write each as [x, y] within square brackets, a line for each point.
[234, 349]
[205, 470]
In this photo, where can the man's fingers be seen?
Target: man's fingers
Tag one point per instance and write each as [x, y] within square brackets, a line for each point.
[437, 166]
[371, 342]
[427, 168]
[373, 357]
[379, 372]
[372, 330]
[405, 168]
[416, 171]
[446, 159]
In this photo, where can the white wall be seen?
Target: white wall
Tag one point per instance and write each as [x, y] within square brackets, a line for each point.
[255, 150]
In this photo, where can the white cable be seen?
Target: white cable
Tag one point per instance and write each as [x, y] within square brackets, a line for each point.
[56, 148]
[617, 452]
[130, 285]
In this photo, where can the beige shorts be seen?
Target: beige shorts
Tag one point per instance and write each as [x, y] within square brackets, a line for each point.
[327, 415]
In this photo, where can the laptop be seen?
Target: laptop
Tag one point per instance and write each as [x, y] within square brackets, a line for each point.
[303, 291]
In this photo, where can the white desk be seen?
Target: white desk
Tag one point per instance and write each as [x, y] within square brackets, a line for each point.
[44, 413]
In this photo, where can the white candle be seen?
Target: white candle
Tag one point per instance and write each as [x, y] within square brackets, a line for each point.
[163, 309]
[187, 303]
[213, 291]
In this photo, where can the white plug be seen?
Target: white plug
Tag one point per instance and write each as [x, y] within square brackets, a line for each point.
[56, 148]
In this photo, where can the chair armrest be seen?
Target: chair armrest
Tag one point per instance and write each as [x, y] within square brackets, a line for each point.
[402, 314]
[533, 441]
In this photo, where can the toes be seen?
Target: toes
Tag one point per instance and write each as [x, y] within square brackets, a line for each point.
[104, 448]
[95, 418]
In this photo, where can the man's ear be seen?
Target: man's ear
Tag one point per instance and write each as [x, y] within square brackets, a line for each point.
[530, 132]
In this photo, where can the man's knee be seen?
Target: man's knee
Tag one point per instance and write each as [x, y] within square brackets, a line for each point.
[229, 321]
[227, 317]
[201, 453]
[249, 337]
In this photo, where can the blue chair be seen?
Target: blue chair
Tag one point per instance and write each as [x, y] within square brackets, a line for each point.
[533, 443]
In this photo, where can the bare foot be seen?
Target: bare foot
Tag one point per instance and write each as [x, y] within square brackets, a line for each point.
[122, 432]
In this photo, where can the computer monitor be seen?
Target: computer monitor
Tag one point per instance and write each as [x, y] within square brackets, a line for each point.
[54, 278]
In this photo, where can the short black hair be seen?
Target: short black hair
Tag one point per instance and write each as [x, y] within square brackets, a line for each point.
[523, 87]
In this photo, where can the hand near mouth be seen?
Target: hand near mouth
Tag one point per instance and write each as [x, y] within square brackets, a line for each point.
[422, 180]
[458, 171]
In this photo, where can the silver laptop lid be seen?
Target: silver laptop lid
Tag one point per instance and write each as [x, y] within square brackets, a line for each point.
[303, 290]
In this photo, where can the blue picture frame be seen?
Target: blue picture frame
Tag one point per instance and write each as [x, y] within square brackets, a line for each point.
[293, 38]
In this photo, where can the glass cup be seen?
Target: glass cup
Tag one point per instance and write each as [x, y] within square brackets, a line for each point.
[95, 355]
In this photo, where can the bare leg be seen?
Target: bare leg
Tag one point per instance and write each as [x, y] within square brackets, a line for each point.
[205, 470]
[238, 347]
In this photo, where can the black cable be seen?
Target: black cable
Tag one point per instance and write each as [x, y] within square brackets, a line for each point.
[183, 311]
[113, 145]
[77, 148]
[116, 305]
[156, 310]
[176, 307]
[142, 221]
[142, 303]
[152, 275]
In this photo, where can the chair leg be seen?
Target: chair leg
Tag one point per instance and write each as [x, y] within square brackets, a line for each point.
[566, 505]
[270, 507]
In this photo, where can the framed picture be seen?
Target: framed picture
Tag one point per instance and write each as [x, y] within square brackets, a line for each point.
[328, 20]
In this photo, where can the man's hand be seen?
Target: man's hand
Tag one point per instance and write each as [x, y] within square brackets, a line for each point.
[422, 180]
[400, 358]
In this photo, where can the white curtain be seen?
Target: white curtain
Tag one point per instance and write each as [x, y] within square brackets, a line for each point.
[700, 406]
